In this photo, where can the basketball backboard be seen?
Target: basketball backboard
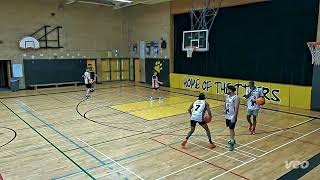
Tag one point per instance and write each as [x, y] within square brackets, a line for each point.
[197, 39]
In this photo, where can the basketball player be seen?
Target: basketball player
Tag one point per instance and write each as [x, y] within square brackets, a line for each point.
[93, 79]
[232, 109]
[197, 111]
[252, 94]
[155, 85]
[87, 82]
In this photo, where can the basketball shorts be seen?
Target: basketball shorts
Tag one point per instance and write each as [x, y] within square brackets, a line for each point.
[88, 86]
[230, 125]
[194, 123]
[253, 112]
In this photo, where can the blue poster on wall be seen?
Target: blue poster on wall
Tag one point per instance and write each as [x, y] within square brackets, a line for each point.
[148, 49]
[142, 48]
[17, 70]
[155, 49]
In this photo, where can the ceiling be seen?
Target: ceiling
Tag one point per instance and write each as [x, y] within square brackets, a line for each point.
[116, 4]
[177, 4]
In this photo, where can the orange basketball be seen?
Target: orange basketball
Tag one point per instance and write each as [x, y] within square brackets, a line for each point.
[207, 119]
[261, 101]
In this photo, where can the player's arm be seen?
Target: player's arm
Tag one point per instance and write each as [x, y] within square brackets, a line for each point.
[159, 82]
[236, 108]
[190, 108]
[85, 75]
[209, 110]
[247, 94]
[261, 93]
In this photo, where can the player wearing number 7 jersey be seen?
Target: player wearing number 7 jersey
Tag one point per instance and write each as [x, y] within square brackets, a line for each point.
[197, 112]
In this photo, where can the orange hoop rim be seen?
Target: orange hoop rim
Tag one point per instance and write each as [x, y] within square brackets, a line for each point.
[314, 43]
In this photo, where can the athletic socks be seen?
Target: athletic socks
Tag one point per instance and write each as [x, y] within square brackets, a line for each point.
[231, 142]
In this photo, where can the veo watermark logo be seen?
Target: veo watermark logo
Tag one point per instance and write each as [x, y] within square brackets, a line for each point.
[297, 164]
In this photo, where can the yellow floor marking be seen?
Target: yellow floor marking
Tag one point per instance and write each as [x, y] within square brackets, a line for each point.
[151, 110]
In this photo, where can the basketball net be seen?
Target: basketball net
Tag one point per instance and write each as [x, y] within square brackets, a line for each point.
[190, 51]
[314, 48]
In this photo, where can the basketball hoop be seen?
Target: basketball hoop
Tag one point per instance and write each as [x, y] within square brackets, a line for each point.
[203, 13]
[314, 48]
[190, 51]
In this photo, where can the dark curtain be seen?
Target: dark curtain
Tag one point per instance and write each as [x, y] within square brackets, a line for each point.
[262, 42]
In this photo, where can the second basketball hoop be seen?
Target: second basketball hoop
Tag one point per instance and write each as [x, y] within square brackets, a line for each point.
[314, 48]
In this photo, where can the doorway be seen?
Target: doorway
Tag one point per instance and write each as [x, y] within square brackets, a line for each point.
[5, 73]
[137, 70]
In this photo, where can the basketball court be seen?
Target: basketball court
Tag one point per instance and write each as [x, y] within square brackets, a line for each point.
[125, 136]
[51, 129]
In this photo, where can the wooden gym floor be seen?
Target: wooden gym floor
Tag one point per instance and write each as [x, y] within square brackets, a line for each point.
[125, 136]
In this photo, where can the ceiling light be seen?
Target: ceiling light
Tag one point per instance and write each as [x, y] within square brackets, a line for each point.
[127, 1]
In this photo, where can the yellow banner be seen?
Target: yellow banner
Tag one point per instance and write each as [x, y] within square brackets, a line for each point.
[280, 94]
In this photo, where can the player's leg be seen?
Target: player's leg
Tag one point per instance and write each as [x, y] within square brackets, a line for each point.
[88, 90]
[249, 114]
[153, 94]
[255, 115]
[205, 127]
[232, 140]
[92, 87]
[159, 95]
[192, 128]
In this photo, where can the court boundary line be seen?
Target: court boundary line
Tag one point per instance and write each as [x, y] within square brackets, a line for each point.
[81, 168]
[189, 95]
[125, 158]
[212, 150]
[62, 92]
[112, 173]
[293, 140]
[314, 162]
[273, 150]
[141, 85]
[253, 158]
[180, 114]
[132, 130]
[94, 121]
[248, 154]
[110, 159]
[62, 135]
[276, 132]
[201, 161]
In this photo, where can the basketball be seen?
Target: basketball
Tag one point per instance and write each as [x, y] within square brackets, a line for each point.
[207, 119]
[260, 101]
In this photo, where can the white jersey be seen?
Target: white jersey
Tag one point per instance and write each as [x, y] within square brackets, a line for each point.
[155, 81]
[86, 77]
[253, 96]
[198, 110]
[230, 107]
